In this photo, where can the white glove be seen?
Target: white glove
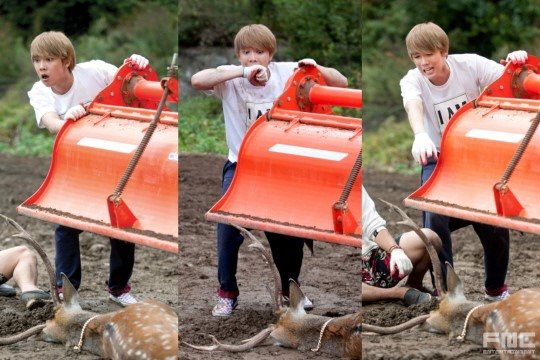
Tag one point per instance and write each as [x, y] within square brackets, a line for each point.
[139, 62]
[401, 261]
[307, 62]
[75, 113]
[423, 148]
[518, 57]
[256, 74]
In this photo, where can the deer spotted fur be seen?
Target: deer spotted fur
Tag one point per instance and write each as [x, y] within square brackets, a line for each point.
[145, 330]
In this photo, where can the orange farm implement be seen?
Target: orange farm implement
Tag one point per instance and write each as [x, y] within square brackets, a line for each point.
[489, 167]
[299, 166]
[114, 172]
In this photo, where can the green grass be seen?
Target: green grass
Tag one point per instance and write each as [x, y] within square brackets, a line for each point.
[30, 144]
[201, 125]
[389, 148]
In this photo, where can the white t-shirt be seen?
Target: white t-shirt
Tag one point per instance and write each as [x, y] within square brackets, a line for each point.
[243, 103]
[89, 78]
[469, 73]
[371, 221]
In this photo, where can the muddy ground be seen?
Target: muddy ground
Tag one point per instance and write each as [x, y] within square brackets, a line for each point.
[330, 277]
[468, 262]
[155, 275]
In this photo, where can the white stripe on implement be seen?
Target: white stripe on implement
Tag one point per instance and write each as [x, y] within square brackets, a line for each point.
[308, 152]
[107, 145]
[494, 135]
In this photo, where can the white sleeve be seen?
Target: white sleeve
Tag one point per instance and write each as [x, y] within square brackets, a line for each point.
[41, 101]
[488, 70]
[371, 220]
[410, 88]
[106, 71]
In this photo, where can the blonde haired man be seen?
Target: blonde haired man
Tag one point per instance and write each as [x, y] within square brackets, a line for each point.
[247, 91]
[63, 88]
[432, 92]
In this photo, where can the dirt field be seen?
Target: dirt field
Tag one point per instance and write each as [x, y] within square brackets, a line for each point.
[155, 275]
[468, 261]
[330, 278]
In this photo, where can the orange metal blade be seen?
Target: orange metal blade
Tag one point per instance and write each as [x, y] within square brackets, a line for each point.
[288, 181]
[294, 163]
[89, 157]
[476, 148]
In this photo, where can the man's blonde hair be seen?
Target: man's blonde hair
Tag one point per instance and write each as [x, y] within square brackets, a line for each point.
[255, 36]
[54, 44]
[426, 38]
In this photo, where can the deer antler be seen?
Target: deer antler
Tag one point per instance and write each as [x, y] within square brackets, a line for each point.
[427, 242]
[394, 329]
[247, 344]
[256, 244]
[50, 270]
[21, 336]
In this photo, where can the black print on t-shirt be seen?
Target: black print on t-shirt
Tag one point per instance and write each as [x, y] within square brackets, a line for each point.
[446, 109]
[255, 110]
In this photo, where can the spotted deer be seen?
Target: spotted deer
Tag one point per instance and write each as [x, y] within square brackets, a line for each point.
[339, 336]
[511, 326]
[145, 330]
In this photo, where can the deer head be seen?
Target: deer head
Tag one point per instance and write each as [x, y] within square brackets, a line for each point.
[517, 315]
[295, 328]
[145, 330]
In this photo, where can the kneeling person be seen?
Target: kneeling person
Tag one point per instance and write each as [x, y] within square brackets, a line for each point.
[386, 261]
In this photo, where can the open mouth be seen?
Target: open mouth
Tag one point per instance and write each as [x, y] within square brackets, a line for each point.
[44, 77]
[428, 71]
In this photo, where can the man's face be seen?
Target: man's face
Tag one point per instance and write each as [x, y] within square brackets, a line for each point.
[51, 70]
[432, 65]
[251, 56]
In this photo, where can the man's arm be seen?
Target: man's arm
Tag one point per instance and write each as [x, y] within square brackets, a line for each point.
[423, 147]
[415, 113]
[333, 77]
[207, 79]
[52, 122]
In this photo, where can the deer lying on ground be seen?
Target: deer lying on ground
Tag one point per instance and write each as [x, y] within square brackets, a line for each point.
[511, 325]
[145, 330]
[339, 336]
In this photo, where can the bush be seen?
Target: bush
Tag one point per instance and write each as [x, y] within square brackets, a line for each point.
[201, 125]
[389, 147]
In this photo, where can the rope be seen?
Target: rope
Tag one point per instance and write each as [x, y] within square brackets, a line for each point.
[78, 347]
[321, 335]
[464, 331]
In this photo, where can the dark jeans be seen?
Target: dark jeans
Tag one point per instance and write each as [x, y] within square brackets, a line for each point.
[495, 241]
[68, 260]
[287, 251]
